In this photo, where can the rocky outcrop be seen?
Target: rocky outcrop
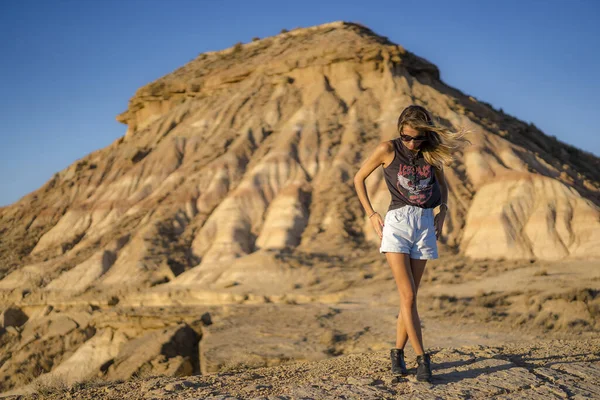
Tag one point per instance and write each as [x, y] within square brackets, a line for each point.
[523, 215]
[172, 351]
[74, 346]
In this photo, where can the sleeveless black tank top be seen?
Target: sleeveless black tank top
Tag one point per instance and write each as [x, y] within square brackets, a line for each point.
[411, 180]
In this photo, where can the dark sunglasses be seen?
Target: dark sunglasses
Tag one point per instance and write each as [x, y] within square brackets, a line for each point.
[407, 138]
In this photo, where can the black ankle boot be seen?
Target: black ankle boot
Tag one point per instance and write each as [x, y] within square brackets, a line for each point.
[398, 364]
[424, 368]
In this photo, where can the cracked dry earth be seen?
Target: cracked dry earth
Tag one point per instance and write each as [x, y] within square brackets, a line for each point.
[550, 369]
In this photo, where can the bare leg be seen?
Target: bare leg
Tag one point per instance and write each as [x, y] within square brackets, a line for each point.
[417, 267]
[401, 269]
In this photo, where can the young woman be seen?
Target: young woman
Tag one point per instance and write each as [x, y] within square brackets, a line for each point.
[413, 170]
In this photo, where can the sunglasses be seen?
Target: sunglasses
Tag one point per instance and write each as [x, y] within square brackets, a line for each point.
[407, 138]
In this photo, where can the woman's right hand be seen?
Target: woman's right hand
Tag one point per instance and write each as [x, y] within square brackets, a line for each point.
[377, 223]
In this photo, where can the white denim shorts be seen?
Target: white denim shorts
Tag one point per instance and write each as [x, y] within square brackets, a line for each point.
[410, 230]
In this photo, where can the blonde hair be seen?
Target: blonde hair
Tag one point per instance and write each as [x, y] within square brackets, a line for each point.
[442, 143]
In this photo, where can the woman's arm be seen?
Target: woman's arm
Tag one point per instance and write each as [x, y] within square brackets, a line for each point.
[439, 218]
[377, 158]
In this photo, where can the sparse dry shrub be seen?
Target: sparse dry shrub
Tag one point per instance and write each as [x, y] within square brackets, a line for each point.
[47, 385]
[238, 47]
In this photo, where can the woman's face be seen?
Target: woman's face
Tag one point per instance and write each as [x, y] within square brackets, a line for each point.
[407, 133]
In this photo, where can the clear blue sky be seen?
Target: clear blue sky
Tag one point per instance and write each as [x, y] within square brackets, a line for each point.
[67, 68]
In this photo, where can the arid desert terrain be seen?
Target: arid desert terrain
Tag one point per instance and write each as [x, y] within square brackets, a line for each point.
[219, 250]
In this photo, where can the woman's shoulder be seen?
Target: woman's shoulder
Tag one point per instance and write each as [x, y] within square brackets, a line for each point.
[386, 147]
[385, 153]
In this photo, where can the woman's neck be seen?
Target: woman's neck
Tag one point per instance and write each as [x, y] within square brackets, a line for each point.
[414, 152]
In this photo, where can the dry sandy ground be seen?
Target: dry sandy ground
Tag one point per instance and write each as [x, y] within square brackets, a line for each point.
[496, 328]
[540, 370]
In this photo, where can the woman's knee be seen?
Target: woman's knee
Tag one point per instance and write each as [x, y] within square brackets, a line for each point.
[408, 299]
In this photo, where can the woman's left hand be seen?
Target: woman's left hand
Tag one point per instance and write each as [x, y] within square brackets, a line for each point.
[438, 222]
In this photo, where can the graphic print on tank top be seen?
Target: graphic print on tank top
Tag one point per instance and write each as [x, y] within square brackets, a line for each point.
[415, 183]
